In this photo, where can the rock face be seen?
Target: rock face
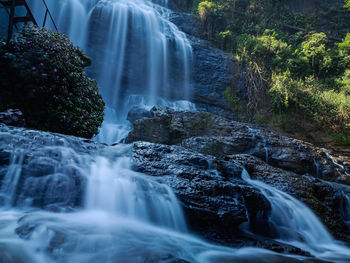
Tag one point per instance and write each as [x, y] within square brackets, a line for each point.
[213, 70]
[212, 190]
[213, 73]
[324, 198]
[207, 194]
[289, 165]
[137, 113]
[213, 135]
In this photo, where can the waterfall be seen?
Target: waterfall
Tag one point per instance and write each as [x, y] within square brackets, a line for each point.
[67, 203]
[125, 216]
[10, 181]
[297, 225]
[256, 135]
[115, 188]
[135, 50]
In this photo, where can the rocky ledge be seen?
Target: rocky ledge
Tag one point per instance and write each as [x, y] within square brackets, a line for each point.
[214, 135]
[201, 157]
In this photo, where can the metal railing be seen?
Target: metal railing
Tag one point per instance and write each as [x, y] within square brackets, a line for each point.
[10, 5]
[47, 12]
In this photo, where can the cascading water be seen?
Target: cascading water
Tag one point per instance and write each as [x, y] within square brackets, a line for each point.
[140, 59]
[114, 188]
[126, 216]
[10, 181]
[135, 50]
[297, 225]
[255, 133]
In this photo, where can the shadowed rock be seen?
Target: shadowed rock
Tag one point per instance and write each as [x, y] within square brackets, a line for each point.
[214, 135]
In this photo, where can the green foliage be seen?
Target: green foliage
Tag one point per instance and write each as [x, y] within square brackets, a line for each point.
[260, 119]
[344, 50]
[344, 82]
[328, 108]
[208, 8]
[234, 101]
[43, 75]
[314, 50]
[266, 50]
[284, 121]
[292, 56]
[347, 4]
[341, 138]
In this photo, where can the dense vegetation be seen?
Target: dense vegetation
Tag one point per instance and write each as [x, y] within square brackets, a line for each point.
[42, 74]
[299, 59]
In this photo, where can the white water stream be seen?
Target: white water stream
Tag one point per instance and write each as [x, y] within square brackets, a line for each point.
[140, 59]
[135, 50]
[297, 225]
[127, 216]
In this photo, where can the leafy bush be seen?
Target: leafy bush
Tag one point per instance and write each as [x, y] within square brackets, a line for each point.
[267, 51]
[344, 82]
[42, 73]
[347, 4]
[293, 56]
[344, 50]
[314, 49]
[328, 108]
[207, 8]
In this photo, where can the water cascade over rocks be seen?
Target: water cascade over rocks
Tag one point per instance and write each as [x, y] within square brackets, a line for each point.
[114, 188]
[76, 201]
[295, 224]
[64, 199]
[140, 58]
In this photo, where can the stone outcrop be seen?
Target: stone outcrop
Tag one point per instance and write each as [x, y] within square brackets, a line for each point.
[212, 190]
[213, 135]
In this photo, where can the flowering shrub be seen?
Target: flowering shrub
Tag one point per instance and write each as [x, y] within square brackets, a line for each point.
[42, 73]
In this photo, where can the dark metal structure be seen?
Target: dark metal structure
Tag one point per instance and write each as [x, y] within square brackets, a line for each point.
[10, 8]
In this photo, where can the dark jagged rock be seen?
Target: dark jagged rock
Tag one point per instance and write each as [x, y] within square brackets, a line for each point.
[207, 194]
[213, 72]
[187, 23]
[215, 199]
[13, 118]
[136, 113]
[214, 135]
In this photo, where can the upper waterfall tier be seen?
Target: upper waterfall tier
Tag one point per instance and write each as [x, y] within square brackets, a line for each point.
[135, 49]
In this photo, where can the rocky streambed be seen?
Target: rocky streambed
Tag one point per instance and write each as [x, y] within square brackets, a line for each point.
[201, 157]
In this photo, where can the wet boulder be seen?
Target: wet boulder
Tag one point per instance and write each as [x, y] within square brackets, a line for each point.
[136, 113]
[214, 135]
[211, 191]
[12, 117]
[217, 203]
